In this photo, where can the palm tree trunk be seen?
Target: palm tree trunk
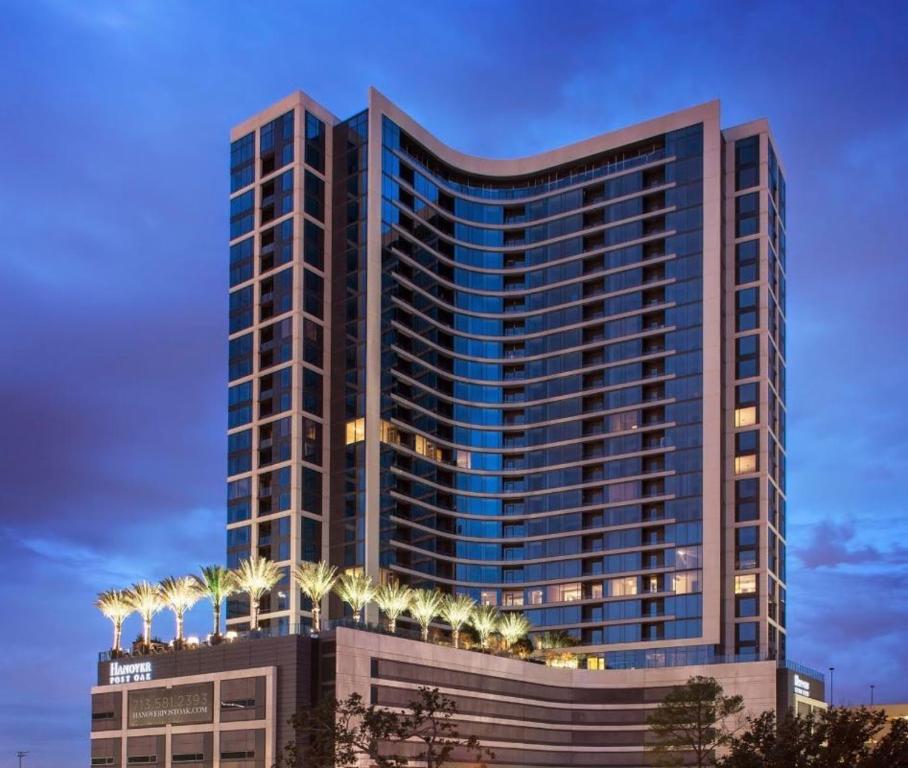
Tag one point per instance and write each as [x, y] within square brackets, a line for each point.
[456, 634]
[179, 639]
[118, 628]
[392, 625]
[253, 614]
[146, 630]
[425, 633]
[217, 619]
[316, 617]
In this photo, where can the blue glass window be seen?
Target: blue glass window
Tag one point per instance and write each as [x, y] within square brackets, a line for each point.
[315, 142]
[276, 143]
[276, 246]
[277, 196]
[239, 452]
[242, 162]
[313, 294]
[276, 294]
[312, 391]
[747, 309]
[314, 194]
[240, 358]
[239, 497]
[747, 163]
[240, 309]
[747, 262]
[241, 262]
[242, 215]
[313, 244]
[239, 404]
[747, 214]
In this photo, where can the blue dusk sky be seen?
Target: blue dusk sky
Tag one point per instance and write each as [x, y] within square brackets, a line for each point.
[115, 125]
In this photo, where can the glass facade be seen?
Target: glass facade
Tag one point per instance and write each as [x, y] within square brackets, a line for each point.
[275, 467]
[757, 378]
[541, 386]
[496, 384]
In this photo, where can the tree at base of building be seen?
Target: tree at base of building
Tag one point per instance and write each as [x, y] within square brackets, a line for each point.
[337, 734]
[692, 723]
[834, 738]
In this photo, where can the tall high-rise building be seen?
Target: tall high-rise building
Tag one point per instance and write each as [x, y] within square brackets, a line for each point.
[555, 383]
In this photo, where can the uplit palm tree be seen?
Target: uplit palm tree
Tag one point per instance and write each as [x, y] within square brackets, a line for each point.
[217, 583]
[426, 605]
[180, 593]
[255, 576]
[315, 580]
[457, 610]
[116, 606]
[547, 641]
[145, 599]
[485, 621]
[554, 647]
[512, 627]
[393, 598]
[356, 589]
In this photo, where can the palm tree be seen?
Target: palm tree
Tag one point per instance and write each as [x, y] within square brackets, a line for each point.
[457, 611]
[146, 600]
[547, 641]
[393, 598]
[315, 581]
[255, 576]
[179, 594]
[512, 627]
[426, 605]
[553, 647]
[216, 583]
[356, 589]
[485, 621]
[116, 606]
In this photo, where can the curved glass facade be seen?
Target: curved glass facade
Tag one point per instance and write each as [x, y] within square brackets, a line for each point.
[541, 395]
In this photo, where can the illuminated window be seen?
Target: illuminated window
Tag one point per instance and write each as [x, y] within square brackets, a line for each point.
[512, 599]
[489, 597]
[570, 592]
[534, 596]
[389, 433]
[746, 417]
[686, 582]
[745, 464]
[595, 662]
[623, 586]
[463, 459]
[356, 431]
[746, 585]
[426, 447]
[595, 591]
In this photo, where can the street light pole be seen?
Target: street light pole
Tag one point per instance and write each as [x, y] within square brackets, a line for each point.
[832, 686]
[20, 754]
[872, 686]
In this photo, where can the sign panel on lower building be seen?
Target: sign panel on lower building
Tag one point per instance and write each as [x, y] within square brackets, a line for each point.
[180, 705]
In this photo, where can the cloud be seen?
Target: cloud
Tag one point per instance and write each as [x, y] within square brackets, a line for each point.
[834, 545]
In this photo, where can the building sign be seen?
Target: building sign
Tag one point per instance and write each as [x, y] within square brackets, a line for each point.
[135, 672]
[802, 686]
[180, 705]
